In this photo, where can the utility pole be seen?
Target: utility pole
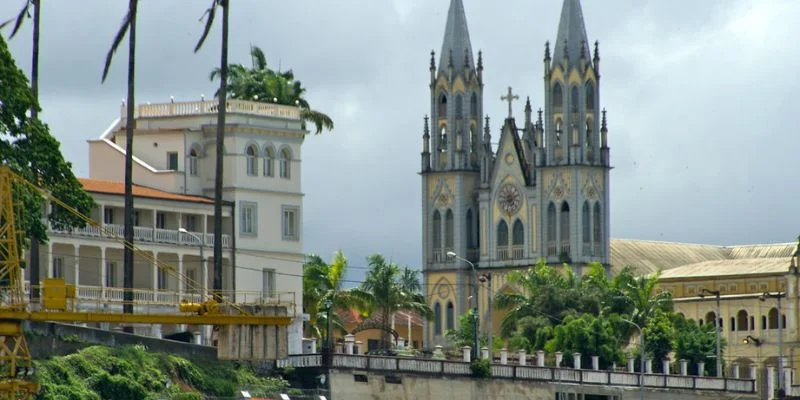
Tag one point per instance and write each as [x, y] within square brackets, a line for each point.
[487, 277]
[476, 349]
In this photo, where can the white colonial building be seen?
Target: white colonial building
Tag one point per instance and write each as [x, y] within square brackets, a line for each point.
[174, 167]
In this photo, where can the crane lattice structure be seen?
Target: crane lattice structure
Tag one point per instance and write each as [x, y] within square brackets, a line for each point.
[15, 358]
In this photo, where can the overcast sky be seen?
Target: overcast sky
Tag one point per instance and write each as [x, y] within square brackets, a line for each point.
[702, 129]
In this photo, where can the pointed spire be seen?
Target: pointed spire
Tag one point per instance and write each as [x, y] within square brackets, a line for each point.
[433, 61]
[528, 110]
[487, 138]
[603, 125]
[456, 37]
[571, 40]
[547, 50]
[596, 51]
[427, 131]
[584, 49]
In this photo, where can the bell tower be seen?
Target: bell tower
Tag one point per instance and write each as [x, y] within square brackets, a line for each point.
[573, 152]
[450, 172]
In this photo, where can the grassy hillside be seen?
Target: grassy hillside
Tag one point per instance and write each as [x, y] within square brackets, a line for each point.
[132, 373]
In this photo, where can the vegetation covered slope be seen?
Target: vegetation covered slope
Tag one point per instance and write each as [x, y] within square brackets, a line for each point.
[132, 373]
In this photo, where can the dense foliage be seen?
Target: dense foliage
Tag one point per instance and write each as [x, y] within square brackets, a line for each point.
[131, 373]
[263, 84]
[553, 309]
[27, 146]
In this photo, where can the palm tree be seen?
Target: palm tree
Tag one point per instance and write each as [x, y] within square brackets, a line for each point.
[642, 301]
[388, 289]
[128, 24]
[322, 287]
[222, 96]
[262, 84]
[34, 241]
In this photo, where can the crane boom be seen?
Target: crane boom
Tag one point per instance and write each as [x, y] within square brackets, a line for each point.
[15, 358]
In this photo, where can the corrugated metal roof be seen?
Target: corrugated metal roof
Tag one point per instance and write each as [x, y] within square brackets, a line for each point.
[647, 256]
[721, 268]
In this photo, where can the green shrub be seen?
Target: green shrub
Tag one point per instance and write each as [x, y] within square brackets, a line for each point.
[481, 368]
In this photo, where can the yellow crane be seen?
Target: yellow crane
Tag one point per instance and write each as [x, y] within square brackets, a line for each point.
[15, 357]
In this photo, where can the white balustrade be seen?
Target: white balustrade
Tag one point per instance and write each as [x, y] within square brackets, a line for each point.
[145, 234]
[188, 108]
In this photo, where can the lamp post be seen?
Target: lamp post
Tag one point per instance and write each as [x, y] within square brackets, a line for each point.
[475, 349]
[641, 357]
[716, 293]
[204, 274]
[778, 296]
[202, 259]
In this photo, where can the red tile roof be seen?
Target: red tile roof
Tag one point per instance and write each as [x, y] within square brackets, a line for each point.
[118, 188]
[400, 317]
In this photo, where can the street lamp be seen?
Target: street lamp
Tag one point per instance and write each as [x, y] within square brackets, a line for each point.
[749, 339]
[475, 301]
[204, 273]
[641, 356]
[717, 324]
[778, 296]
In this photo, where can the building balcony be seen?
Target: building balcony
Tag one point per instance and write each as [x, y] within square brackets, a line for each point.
[191, 108]
[146, 234]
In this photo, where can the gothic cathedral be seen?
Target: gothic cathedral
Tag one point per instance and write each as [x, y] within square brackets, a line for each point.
[540, 193]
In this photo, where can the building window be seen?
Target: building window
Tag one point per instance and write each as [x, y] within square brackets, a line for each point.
[449, 234]
[163, 278]
[172, 160]
[248, 220]
[437, 230]
[437, 319]
[285, 161]
[252, 166]
[108, 215]
[451, 319]
[269, 162]
[111, 274]
[193, 162]
[289, 223]
[161, 220]
[58, 267]
[502, 233]
[267, 283]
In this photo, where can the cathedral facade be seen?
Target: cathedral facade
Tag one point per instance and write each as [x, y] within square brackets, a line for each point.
[539, 191]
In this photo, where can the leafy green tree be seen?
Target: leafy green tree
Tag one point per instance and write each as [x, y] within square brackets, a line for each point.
[35, 4]
[696, 343]
[29, 149]
[464, 335]
[659, 336]
[262, 84]
[128, 26]
[220, 139]
[589, 335]
[531, 334]
[388, 289]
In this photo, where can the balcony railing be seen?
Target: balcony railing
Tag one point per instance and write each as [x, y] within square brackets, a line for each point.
[552, 249]
[210, 107]
[145, 234]
[518, 252]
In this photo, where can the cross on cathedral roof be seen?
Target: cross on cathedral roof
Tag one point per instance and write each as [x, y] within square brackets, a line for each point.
[509, 98]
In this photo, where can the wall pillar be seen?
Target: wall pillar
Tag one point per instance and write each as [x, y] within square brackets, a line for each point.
[665, 366]
[349, 342]
[485, 353]
[559, 358]
[77, 260]
[180, 287]
[466, 353]
[701, 367]
[684, 367]
[648, 366]
[631, 365]
[754, 376]
[770, 381]
[595, 363]
[503, 356]
[522, 357]
[540, 358]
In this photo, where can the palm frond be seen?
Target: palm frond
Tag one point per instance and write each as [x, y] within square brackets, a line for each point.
[259, 59]
[123, 29]
[211, 12]
[19, 18]
[320, 120]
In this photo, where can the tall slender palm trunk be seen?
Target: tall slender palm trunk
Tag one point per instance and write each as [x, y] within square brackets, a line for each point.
[34, 242]
[130, 125]
[223, 84]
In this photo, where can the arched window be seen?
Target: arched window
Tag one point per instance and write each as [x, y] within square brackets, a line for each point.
[437, 230]
[573, 100]
[518, 234]
[733, 324]
[473, 106]
[251, 155]
[564, 226]
[710, 317]
[470, 230]
[502, 233]
[448, 230]
[559, 131]
[193, 162]
[269, 162]
[285, 163]
[742, 321]
[459, 106]
[598, 227]
[437, 319]
[451, 316]
[551, 222]
[443, 138]
[773, 318]
[443, 106]
[586, 220]
[558, 97]
[589, 96]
